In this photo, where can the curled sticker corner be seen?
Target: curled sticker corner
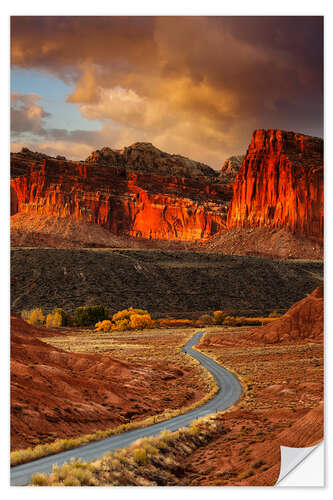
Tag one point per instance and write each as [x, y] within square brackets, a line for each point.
[291, 457]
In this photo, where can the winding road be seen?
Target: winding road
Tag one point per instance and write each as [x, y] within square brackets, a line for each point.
[229, 392]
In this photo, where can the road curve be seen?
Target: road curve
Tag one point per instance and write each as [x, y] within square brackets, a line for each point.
[229, 392]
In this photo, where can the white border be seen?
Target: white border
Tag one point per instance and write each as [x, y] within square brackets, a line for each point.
[134, 7]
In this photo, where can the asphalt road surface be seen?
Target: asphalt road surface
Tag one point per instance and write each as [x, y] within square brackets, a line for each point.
[229, 392]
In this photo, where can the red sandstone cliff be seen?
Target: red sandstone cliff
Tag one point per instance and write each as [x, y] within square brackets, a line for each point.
[280, 184]
[140, 192]
[143, 193]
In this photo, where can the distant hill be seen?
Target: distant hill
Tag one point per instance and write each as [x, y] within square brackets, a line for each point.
[174, 283]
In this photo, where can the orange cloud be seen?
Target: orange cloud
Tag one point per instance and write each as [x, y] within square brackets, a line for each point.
[193, 85]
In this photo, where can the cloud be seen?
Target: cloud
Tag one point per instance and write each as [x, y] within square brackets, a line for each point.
[29, 130]
[191, 85]
[26, 114]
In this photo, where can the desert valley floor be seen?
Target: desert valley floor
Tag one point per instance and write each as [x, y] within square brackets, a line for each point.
[67, 382]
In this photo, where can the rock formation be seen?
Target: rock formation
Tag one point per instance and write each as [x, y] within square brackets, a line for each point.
[139, 192]
[231, 167]
[145, 156]
[143, 193]
[280, 184]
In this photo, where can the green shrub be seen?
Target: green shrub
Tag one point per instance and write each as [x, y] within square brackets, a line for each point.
[65, 318]
[90, 315]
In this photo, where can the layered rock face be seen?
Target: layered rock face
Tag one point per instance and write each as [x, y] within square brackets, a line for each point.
[140, 192]
[280, 184]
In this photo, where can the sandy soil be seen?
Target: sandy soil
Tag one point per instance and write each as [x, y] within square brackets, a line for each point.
[281, 405]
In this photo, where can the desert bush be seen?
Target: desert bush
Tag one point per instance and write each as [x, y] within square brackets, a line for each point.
[219, 317]
[127, 313]
[90, 315]
[53, 320]
[132, 319]
[34, 316]
[140, 456]
[141, 321]
[121, 325]
[104, 326]
[241, 321]
[25, 314]
[206, 319]
[128, 466]
[39, 479]
[71, 480]
[65, 318]
[230, 321]
[58, 318]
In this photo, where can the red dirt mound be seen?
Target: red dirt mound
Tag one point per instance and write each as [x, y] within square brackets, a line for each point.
[55, 393]
[307, 431]
[304, 320]
[21, 331]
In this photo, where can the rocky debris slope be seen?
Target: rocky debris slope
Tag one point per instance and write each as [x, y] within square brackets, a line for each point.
[276, 243]
[280, 184]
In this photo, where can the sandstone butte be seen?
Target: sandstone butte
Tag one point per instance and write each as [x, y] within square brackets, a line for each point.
[139, 192]
[280, 184]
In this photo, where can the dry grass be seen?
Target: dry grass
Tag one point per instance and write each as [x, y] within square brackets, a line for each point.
[26, 455]
[273, 375]
[147, 462]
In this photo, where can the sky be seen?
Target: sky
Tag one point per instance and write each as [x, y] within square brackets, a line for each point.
[195, 86]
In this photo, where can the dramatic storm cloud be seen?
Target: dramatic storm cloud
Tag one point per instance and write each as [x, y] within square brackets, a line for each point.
[191, 85]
